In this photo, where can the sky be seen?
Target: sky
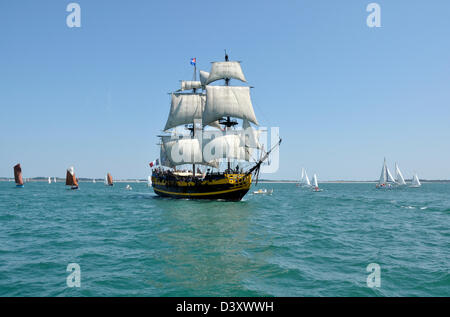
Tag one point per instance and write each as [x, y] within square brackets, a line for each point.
[343, 95]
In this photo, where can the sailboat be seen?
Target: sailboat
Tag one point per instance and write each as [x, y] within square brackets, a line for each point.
[18, 176]
[71, 180]
[399, 176]
[93, 181]
[49, 180]
[386, 179]
[415, 181]
[54, 179]
[109, 180]
[206, 144]
[304, 180]
[316, 184]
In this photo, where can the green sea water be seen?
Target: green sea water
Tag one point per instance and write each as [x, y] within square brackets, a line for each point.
[292, 243]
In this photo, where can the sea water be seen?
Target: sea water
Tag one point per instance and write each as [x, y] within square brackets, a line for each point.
[292, 243]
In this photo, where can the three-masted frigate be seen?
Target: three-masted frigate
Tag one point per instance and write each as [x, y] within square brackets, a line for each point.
[214, 140]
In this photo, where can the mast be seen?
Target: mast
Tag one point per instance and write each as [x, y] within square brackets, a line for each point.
[193, 123]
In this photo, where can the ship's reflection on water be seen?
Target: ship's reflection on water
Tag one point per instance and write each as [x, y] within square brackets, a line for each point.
[208, 246]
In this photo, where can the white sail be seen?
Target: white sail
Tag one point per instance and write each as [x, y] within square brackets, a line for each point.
[383, 175]
[307, 182]
[228, 146]
[415, 181]
[315, 181]
[163, 159]
[183, 151]
[93, 180]
[106, 180]
[185, 108]
[222, 70]
[54, 179]
[189, 84]
[222, 101]
[203, 77]
[49, 180]
[390, 179]
[302, 177]
[149, 180]
[251, 136]
[399, 176]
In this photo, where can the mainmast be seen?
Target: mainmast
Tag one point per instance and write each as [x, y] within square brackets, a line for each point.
[228, 123]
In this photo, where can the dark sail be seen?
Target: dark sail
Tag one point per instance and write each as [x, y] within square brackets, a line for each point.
[71, 180]
[110, 180]
[18, 174]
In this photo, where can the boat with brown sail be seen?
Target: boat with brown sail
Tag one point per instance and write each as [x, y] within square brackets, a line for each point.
[71, 179]
[18, 176]
[109, 180]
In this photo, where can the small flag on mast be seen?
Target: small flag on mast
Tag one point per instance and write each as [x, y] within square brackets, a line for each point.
[154, 163]
[193, 61]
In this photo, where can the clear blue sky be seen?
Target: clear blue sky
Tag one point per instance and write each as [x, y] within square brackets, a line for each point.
[344, 95]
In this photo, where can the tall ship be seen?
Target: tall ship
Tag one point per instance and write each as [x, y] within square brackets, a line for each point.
[205, 152]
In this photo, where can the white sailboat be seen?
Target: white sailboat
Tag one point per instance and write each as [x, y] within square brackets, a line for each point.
[106, 180]
[315, 184]
[399, 176]
[93, 180]
[49, 180]
[386, 179]
[415, 181]
[54, 179]
[304, 180]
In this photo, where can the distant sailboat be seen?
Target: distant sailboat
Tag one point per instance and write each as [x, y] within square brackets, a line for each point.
[93, 180]
[399, 176]
[386, 179]
[54, 179]
[304, 181]
[415, 181]
[71, 180]
[18, 176]
[49, 180]
[315, 184]
[109, 180]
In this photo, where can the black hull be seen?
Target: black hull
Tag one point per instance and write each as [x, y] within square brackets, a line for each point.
[230, 187]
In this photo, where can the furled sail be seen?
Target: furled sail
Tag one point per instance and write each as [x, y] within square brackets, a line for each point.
[185, 108]
[189, 84]
[222, 101]
[203, 77]
[18, 174]
[222, 70]
[399, 176]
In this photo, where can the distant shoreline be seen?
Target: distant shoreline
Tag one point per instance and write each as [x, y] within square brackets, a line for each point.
[262, 181]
